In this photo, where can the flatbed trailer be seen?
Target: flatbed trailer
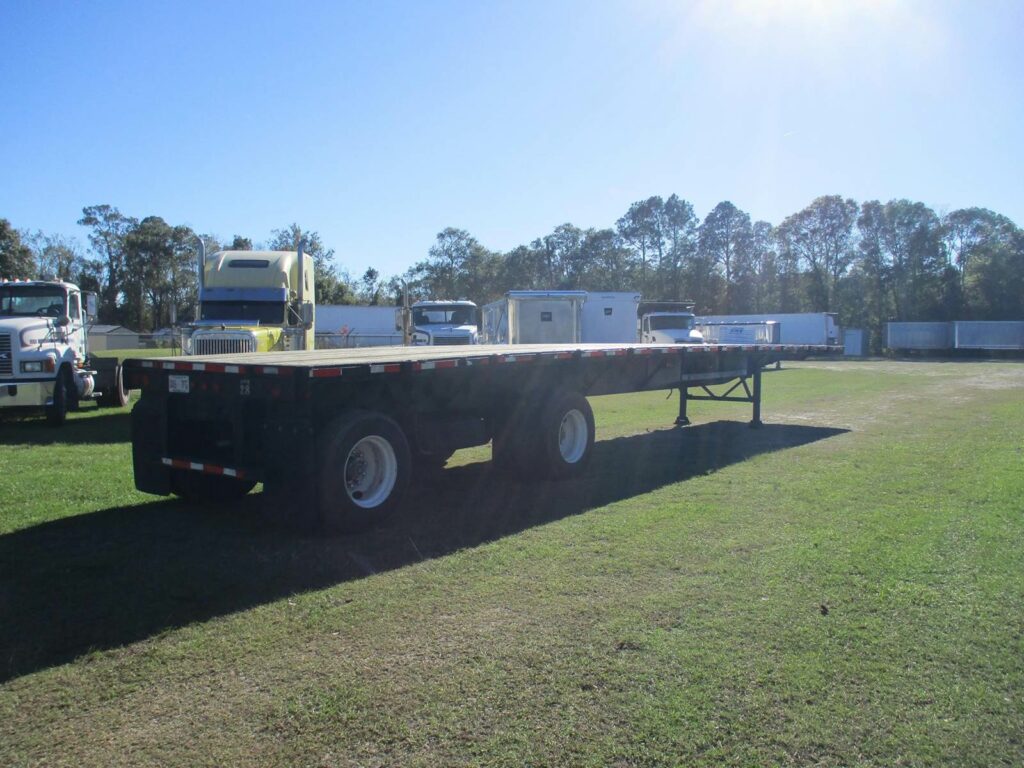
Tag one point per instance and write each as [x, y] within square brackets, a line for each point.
[336, 435]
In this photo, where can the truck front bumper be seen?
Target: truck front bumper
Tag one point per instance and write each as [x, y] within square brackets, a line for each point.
[26, 394]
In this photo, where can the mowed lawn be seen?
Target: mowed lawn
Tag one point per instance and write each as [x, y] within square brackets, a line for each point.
[844, 586]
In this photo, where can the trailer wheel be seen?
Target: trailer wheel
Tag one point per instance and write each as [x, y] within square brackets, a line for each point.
[429, 463]
[58, 411]
[363, 471]
[200, 488]
[115, 395]
[565, 435]
[512, 445]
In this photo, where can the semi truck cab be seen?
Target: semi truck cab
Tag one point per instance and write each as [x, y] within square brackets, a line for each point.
[444, 323]
[669, 328]
[253, 301]
[44, 350]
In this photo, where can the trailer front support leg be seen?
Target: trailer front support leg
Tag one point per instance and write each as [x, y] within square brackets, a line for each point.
[755, 399]
[682, 420]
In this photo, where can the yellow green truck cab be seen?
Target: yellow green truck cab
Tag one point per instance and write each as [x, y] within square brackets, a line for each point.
[254, 301]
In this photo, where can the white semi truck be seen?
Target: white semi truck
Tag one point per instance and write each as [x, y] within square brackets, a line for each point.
[668, 322]
[44, 351]
[444, 323]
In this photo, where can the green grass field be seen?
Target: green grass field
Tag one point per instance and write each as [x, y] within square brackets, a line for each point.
[844, 586]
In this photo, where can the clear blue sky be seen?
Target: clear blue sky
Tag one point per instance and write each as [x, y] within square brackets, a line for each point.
[379, 124]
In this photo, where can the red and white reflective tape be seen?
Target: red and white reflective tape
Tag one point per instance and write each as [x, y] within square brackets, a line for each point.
[209, 469]
[386, 368]
[429, 365]
[326, 373]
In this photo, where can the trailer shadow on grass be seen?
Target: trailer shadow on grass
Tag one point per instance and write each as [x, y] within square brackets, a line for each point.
[107, 578]
[89, 426]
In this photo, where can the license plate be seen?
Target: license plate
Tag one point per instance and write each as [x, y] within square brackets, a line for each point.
[177, 384]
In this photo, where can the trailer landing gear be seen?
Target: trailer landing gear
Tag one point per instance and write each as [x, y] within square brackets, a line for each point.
[751, 394]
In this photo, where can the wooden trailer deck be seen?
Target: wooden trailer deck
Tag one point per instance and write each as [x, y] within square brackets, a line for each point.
[333, 362]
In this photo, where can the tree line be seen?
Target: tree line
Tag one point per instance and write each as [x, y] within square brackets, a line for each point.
[869, 262]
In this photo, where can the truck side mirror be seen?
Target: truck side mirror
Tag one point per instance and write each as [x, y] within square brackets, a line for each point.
[91, 309]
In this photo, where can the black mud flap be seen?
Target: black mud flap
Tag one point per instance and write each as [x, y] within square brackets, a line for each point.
[151, 475]
[289, 472]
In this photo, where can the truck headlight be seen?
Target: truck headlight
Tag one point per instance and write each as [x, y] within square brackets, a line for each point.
[31, 366]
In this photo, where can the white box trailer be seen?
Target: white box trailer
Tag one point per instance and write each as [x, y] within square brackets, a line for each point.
[766, 332]
[341, 326]
[816, 328]
[921, 336]
[535, 317]
[610, 317]
[988, 334]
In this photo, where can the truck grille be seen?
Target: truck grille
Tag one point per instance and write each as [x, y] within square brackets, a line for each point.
[450, 340]
[207, 345]
[6, 358]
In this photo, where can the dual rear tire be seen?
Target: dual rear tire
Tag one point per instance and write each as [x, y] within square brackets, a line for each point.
[552, 441]
[363, 467]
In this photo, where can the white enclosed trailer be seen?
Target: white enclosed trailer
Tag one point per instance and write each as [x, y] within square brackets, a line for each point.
[920, 336]
[342, 326]
[988, 334]
[816, 328]
[535, 317]
[610, 317]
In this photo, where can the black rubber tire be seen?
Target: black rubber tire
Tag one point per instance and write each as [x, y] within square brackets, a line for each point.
[548, 458]
[426, 464]
[513, 440]
[57, 413]
[200, 488]
[115, 396]
[339, 507]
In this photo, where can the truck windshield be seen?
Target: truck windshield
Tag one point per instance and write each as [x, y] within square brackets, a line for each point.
[671, 322]
[441, 315]
[263, 312]
[32, 301]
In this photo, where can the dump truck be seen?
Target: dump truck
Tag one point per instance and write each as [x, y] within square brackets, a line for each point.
[45, 363]
[336, 435]
[253, 301]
